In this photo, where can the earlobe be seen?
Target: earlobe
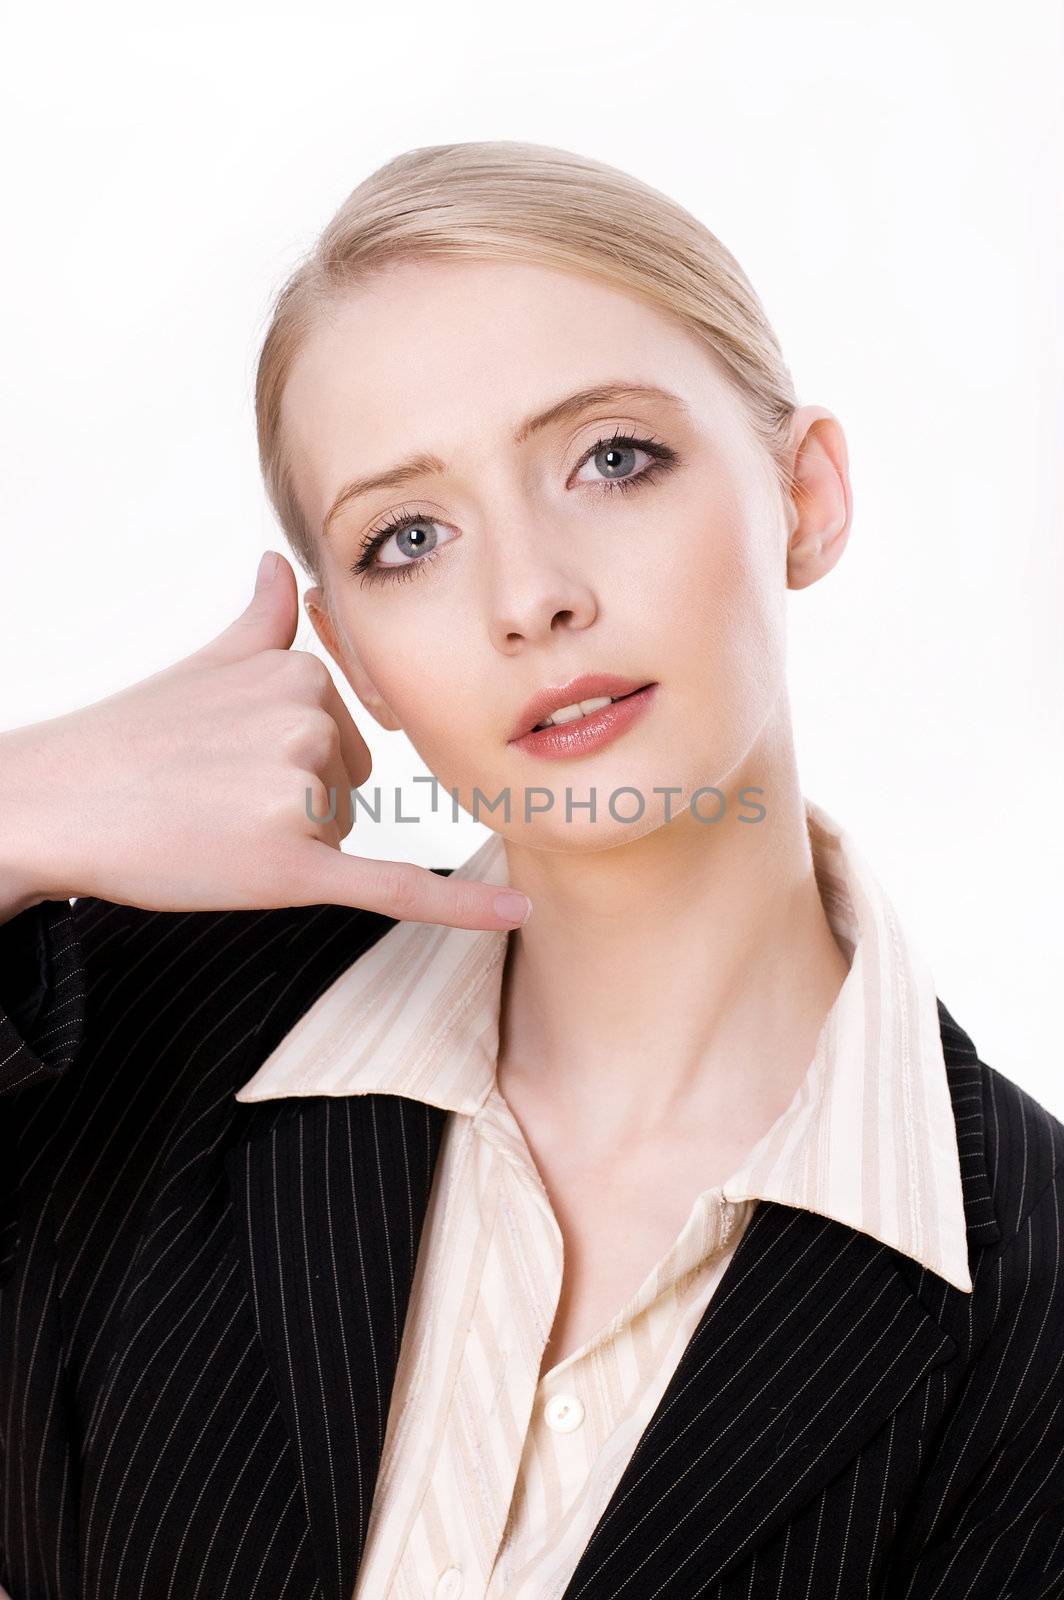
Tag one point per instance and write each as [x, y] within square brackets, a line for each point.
[379, 711]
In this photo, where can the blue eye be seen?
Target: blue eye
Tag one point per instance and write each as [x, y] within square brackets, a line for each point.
[420, 545]
[618, 445]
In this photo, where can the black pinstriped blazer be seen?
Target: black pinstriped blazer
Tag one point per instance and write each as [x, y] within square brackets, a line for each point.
[201, 1305]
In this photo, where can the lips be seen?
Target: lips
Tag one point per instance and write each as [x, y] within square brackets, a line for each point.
[589, 687]
[578, 737]
[615, 699]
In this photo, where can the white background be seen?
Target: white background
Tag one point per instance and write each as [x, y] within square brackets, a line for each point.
[890, 180]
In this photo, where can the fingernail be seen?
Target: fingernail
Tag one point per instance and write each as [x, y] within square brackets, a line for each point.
[267, 568]
[512, 907]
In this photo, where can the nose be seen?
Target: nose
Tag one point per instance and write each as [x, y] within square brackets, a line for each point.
[536, 590]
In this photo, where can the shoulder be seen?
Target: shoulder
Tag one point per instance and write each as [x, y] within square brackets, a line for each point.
[1025, 1155]
[1012, 1166]
[99, 935]
[90, 928]
[98, 978]
[203, 963]
[1011, 1146]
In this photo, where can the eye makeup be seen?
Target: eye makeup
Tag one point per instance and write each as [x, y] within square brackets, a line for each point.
[663, 458]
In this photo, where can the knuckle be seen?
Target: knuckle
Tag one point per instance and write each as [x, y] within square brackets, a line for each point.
[311, 674]
[397, 887]
[307, 735]
[270, 662]
[321, 739]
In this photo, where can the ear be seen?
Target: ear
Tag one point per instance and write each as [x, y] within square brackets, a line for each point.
[821, 505]
[347, 659]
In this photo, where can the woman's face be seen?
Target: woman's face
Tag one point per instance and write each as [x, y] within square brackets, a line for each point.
[518, 560]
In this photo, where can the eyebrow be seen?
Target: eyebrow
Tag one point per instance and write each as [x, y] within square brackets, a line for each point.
[423, 465]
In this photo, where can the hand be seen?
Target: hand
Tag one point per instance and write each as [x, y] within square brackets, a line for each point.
[188, 791]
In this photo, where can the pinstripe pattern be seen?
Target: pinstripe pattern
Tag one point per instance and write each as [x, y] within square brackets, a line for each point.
[202, 1303]
[473, 1475]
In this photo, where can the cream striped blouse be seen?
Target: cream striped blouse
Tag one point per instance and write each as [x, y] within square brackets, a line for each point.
[492, 1481]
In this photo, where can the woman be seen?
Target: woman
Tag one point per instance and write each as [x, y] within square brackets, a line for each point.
[679, 1243]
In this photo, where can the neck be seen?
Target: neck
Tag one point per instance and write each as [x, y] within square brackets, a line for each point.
[682, 978]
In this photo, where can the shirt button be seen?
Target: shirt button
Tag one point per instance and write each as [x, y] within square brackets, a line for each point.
[449, 1585]
[563, 1413]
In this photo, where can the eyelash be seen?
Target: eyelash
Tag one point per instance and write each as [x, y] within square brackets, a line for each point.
[663, 459]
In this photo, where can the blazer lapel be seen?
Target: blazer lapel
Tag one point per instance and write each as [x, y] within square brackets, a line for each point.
[812, 1340]
[329, 1198]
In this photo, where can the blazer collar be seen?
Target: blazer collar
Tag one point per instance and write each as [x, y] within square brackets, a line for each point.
[868, 1140]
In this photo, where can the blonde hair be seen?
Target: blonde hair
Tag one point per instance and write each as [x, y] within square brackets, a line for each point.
[507, 199]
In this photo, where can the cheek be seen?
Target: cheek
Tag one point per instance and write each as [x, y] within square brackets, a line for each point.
[430, 698]
[729, 625]
[435, 722]
[727, 586]
[409, 655]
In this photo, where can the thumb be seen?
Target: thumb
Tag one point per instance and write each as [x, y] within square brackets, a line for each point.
[404, 891]
[268, 621]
